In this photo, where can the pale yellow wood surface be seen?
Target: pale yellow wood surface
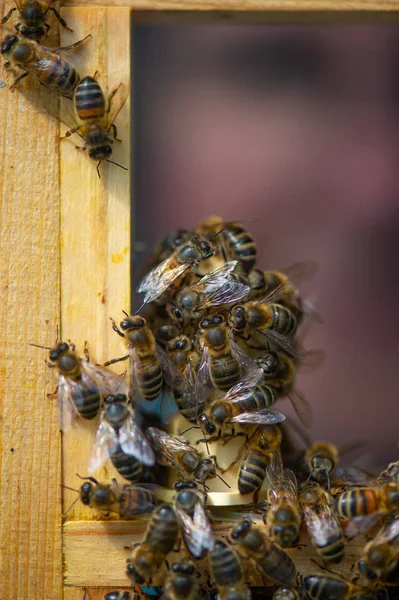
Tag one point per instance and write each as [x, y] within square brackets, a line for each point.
[248, 5]
[30, 509]
[95, 225]
[95, 553]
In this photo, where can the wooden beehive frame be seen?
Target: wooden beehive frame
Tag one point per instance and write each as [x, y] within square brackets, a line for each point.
[65, 239]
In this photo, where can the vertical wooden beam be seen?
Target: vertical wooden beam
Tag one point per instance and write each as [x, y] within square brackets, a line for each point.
[30, 509]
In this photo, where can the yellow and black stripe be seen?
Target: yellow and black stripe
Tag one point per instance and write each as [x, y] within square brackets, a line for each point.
[89, 99]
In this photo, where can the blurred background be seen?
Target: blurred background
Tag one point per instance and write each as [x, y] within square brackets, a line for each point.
[293, 129]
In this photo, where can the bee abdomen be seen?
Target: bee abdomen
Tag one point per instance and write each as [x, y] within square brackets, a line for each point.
[263, 397]
[242, 246]
[149, 376]
[252, 474]
[354, 503]
[225, 372]
[163, 529]
[126, 465]
[225, 566]
[87, 402]
[58, 75]
[89, 99]
[283, 320]
[135, 500]
[334, 550]
[277, 565]
[325, 588]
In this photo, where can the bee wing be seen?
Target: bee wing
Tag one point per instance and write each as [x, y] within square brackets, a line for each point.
[215, 277]
[361, 524]
[197, 532]
[171, 373]
[166, 443]
[134, 442]
[67, 408]
[351, 476]
[285, 343]
[313, 360]
[301, 406]
[116, 101]
[245, 387]
[157, 281]
[390, 532]
[247, 365]
[262, 417]
[279, 292]
[107, 381]
[203, 380]
[218, 289]
[106, 438]
[322, 524]
[188, 385]
[300, 271]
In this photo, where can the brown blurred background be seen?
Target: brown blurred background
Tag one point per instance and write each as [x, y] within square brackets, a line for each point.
[295, 130]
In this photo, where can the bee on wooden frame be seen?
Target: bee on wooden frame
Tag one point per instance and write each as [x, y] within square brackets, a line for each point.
[197, 530]
[33, 18]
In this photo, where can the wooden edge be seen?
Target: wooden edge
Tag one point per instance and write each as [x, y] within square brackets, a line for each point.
[96, 552]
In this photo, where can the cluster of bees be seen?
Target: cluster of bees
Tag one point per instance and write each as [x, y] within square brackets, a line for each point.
[92, 117]
[216, 344]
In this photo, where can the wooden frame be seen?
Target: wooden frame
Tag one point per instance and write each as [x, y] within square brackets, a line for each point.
[65, 240]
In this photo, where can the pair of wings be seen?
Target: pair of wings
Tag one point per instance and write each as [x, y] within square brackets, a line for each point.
[129, 437]
[282, 484]
[321, 524]
[197, 531]
[92, 376]
[159, 279]
[166, 445]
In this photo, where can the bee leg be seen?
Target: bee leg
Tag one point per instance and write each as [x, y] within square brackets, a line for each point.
[17, 80]
[115, 360]
[17, 27]
[55, 391]
[167, 565]
[115, 133]
[229, 467]
[76, 44]
[116, 328]
[86, 352]
[8, 15]
[60, 19]
[7, 64]
[47, 26]
[110, 97]
[69, 133]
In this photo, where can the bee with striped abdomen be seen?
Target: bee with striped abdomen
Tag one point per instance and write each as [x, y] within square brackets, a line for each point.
[364, 506]
[96, 118]
[47, 65]
[119, 438]
[283, 517]
[159, 539]
[227, 573]
[273, 562]
[197, 530]
[322, 524]
[326, 587]
[33, 18]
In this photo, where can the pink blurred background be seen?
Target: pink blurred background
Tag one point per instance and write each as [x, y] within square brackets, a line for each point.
[295, 130]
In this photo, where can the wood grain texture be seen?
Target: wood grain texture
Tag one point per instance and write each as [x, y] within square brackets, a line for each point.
[30, 529]
[95, 225]
[248, 5]
[95, 553]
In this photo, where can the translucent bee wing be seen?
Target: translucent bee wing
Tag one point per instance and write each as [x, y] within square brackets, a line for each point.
[300, 271]
[203, 380]
[171, 373]
[197, 532]
[321, 526]
[119, 96]
[301, 406]
[160, 278]
[215, 277]
[247, 365]
[134, 442]
[390, 532]
[67, 408]
[245, 387]
[106, 438]
[351, 476]
[285, 343]
[165, 444]
[106, 380]
[217, 288]
[361, 524]
[313, 360]
[262, 417]
[279, 292]
[187, 384]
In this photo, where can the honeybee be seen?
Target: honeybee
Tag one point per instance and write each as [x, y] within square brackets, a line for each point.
[322, 524]
[228, 573]
[119, 438]
[197, 530]
[81, 384]
[126, 501]
[150, 367]
[50, 66]
[279, 371]
[320, 460]
[245, 403]
[326, 587]
[222, 362]
[284, 517]
[181, 351]
[96, 118]
[381, 555]
[264, 282]
[159, 539]
[273, 562]
[364, 506]
[186, 257]
[172, 452]
[214, 289]
[33, 15]
[262, 451]
[168, 245]
[274, 322]
[181, 583]
[237, 243]
[390, 474]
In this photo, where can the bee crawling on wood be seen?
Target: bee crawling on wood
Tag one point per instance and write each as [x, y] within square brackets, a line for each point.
[33, 18]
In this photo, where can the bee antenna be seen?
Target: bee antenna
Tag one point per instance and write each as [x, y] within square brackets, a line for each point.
[38, 346]
[125, 313]
[98, 168]
[70, 508]
[89, 478]
[113, 163]
[56, 328]
[189, 429]
[225, 482]
[69, 488]
[139, 309]
[214, 235]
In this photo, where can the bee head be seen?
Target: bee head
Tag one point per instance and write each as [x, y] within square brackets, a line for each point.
[286, 534]
[133, 322]
[241, 529]
[238, 319]
[101, 152]
[321, 467]
[58, 351]
[176, 314]
[133, 574]
[32, 33]
[269, 363]
[85, 493]
[185, 565]
[8, 44]
[206, 425]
